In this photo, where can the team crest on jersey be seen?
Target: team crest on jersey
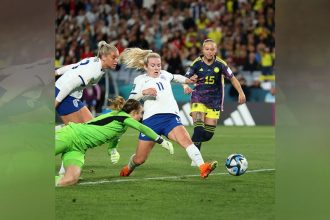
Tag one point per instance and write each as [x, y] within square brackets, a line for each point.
[216, 69]
[162, 77]
[75, 103]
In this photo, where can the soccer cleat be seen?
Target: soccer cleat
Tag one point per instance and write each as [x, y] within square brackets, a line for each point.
[207, 168]
[125, 171]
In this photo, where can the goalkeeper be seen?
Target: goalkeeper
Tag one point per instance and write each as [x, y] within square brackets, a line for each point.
[74, 139]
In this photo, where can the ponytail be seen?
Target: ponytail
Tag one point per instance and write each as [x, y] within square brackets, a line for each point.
[104, 48]
[134, 57]
[117, 103]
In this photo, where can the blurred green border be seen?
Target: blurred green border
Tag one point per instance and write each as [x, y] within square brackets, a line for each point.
[27, 117]
[302, 103]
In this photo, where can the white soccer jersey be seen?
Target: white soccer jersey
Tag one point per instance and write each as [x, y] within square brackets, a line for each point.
[164, 102]
[78, 76]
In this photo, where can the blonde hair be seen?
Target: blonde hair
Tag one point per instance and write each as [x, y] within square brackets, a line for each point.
[151, 55]
[208, 41]
[134, 57]
[104, 49]
[117, 103]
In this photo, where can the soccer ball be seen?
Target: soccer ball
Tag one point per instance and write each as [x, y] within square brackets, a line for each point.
[236, 164]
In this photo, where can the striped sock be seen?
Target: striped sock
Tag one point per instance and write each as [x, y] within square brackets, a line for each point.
[208, 132]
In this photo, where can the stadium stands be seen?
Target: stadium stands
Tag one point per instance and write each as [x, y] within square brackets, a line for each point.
[244, 30]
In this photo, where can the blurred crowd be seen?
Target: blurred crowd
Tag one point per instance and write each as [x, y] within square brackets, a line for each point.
[244, 31]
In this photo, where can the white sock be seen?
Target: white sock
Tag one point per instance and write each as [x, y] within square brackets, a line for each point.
[195, 154]
[62, 170]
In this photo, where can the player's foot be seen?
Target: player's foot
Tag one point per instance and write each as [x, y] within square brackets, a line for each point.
[193, 164]
[207, 168]
[125, 171]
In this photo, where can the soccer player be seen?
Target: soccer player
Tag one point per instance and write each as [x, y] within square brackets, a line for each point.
[75, 139]
[208, 95]
[75, 77]
[161, 114]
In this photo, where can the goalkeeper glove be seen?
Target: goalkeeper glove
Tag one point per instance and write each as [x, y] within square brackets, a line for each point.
[165, 144]
[114, 156]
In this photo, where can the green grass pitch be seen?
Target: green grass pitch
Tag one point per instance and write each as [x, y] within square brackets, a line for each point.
[167, 187]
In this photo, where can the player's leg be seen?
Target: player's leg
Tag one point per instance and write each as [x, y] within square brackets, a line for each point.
[72, 110]
[198, 115]
[81, 116]
[73, 162]
[180, 135]
[142, 152]
[210, 125]
[70, 177]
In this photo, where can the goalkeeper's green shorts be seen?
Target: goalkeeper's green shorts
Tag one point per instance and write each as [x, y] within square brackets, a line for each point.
[71, 155]
[73, 158]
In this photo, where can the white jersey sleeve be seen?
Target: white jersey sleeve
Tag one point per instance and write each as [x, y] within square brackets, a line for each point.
[86, 73]
[63, 69]
[173, 77]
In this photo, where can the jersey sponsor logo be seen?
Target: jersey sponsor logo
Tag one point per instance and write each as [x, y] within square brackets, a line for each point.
[216, 69]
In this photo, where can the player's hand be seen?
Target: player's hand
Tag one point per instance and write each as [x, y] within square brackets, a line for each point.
[194, 78]
[150, 91]
[114, 156]
[241, 98]
[168, 146]
[187, 89]
[191, 80]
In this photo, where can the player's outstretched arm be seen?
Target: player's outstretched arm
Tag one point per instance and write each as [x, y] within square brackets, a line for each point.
[187, 89]
[237, 86]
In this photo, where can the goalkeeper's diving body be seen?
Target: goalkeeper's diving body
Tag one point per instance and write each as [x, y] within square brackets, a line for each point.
[73, 140]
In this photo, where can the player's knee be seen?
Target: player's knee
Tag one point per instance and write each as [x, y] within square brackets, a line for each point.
[74, 180]
[68, 180]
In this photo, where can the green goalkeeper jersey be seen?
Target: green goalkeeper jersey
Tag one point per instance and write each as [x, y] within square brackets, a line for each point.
[107, 128]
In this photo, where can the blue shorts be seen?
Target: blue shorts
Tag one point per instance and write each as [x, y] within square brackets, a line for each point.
[162, 124]
[68, 105]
